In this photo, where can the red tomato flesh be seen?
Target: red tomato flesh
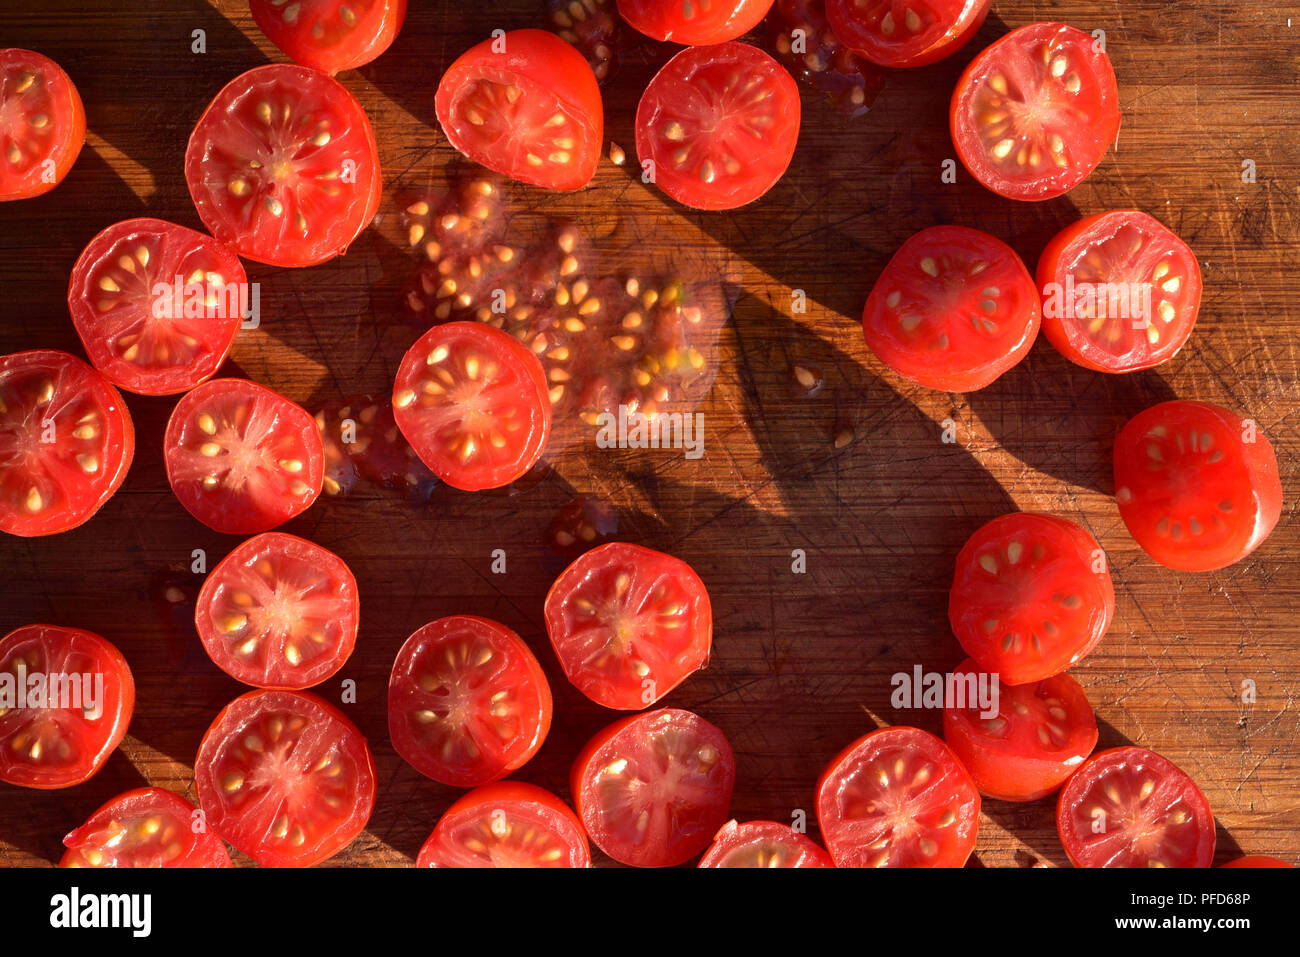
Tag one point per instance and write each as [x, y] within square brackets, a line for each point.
[42, 124]
[66, 442]
[64, 736]
[467, 701]
[279, 612]
[629, 624]
[653, 789]
[1129, 807]
[1041, 733]
[1197, 485]
[241, 458]
[694, 22]
[905, 33]
[283, 166]
[1033, 114]
[141, 331]
[507, 824]
[720, 124]
[528, 106]
[763, 844]
[953, 310]
[285, 778]
[330, 35]
[147, 827]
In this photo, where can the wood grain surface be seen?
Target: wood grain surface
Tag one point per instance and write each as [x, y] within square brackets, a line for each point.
[802, 662]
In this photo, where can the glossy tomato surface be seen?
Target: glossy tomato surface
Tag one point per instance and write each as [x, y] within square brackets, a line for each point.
[905, 33]
[285, 778]
[898, 797]
[653, 789]
[1129, 807]
[1033, 114]
[467, 701]
[1197, 485]
[507, 824]
[42, 124]
[1027, 746]
[526, 105]
[241, 458]
[719, 124]
[763, 844]
[66, 442]
[1120, 291]
[279, 612]
[330, 35]
[77, 699]
[473, 403]
[144, 329]
[629, 624]
[283, 166]
[694, 22]
[147, 827]
[953, 310]
[1032, 594]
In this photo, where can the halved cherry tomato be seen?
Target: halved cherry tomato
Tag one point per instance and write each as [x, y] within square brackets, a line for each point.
[1197, 485]
[1120, 291]
[953, 310]
[330, 35]
[472, 401]
[906, 33]
[1034, 113]
[898, 797]
[66, 442]
[653, 789]
[694, 22]
[1257, 860]
[467, 701]
[526, 105]
[279, 612]
[720, 124]
[283, 166]
[1031, 596]
[285, 778]
[147, 827]
[42, 124]
[1129, 807]
[507, 824]
[156, 305]
[72, 696]
[241, 458]
[1041, 733]
[629, 624]
[763, 844]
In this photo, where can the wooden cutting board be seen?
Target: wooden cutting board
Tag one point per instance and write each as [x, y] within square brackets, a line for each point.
[802, 662]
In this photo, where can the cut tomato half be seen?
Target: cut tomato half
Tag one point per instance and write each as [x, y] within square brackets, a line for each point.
[42, 124]
[629, 624]
[73, 696]
[1197, 485]
[528, 106]
[467, 701]
[507, 824]
[1120, 292]
[1129, 807]
[330, 35]
[241, 458]
[473, 403]
[283, 166]
[898, 797]
[156, 305]
[653, 789]
[905, 33]
[719, 124]
[279, 612]
[694, 22]
[66, 442]
[953, 310]
[1033, 114]
[147, 827]
[763, 844]
[285, 778]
